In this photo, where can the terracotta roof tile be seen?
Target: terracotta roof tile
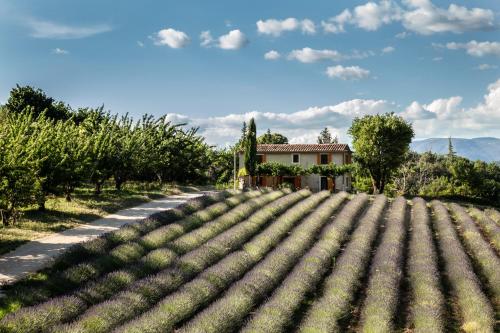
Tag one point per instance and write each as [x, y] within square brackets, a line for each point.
[302, 148]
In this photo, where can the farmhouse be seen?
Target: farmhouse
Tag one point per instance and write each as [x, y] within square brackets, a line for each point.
[304, 155]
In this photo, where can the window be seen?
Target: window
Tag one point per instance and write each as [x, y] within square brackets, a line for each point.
[260, 159]
[323, 159]
[295, 158]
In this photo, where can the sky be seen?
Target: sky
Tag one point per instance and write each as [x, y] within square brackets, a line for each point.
[295, 66]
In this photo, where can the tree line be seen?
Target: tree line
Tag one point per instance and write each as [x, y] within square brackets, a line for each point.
[46, 148]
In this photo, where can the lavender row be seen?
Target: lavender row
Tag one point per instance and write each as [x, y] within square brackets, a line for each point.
[476, 313]
[341, 285]
[143, 294]
[214, 280]
[228, 312]
[489, 227]
[382, 296]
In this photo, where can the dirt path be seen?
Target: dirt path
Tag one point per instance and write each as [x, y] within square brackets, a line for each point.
[37, 254]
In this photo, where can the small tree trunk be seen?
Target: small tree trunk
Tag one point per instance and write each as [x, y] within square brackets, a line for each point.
[97, 190]
[118, 184]
[41, 206]
[68, 197]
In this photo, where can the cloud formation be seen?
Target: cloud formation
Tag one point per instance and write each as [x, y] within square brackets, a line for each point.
[53, 30]
[60, 51]
[276, 27]
[172, 38]
[419, 16]
[476, 49]
[388, 49]
[272, 55]
[349, 73]
[234, 40]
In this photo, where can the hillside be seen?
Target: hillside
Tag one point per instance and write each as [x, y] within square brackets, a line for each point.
[275, 261]
[485, 149]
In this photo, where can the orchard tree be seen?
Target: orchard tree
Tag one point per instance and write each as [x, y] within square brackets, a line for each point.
[251, 148]
[380, 142]
[23, 98]
[272, 138]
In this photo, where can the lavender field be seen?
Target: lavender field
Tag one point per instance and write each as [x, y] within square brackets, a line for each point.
[276, 261]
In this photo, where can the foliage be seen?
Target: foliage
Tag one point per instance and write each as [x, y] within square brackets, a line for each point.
[272, 138]
[47, 153]
[326, 137]
[251, 148]
[379, 142]
[330, 170]
[278, 169]
[23, 98]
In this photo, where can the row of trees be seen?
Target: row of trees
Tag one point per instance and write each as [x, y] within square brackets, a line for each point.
[48, 149]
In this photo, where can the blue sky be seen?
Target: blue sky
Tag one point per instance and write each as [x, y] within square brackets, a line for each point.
[437, 63]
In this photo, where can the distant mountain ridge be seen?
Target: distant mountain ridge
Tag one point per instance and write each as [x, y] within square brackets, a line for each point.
[486, 149]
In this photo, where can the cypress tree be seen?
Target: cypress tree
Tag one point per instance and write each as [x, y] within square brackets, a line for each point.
[251, 148]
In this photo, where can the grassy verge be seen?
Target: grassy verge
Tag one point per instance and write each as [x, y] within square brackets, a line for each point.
[85, 207]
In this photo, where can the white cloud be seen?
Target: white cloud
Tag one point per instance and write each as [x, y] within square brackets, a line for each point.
[140, 44]
[60, 51]
[206, 38]
[388, 49]
[276, 27]
[477, 49]
[485, 67]
[425, 18]
[437, 58]
[272, 55]
[52, 30]
[309, 55]
[234, 40]
[172, 38]
[403, 35]
[347, 73]
[441, 117]
[419, 16]
[371, 16]
[336, 24]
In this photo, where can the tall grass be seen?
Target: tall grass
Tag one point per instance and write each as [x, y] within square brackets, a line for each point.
[277, 313]
[475, 309]
[426, 296]
[217, 278]
[99, 290]
[489, 227]
[481, 252]
[341, 285]
[104, 316]
[228, 312]
[382, 295]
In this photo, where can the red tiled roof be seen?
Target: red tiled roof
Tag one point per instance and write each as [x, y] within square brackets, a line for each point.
[303, 148]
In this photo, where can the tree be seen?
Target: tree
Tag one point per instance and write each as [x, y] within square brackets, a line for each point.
[251, 148]
[380, 142]
[326, 137]
[244, 130]
[451, 150]
[22, 98]
[272, 138]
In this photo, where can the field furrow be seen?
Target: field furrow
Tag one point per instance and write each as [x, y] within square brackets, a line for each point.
[382, 296]
[475, 309]
[427, 303]
[489, 227]
[213, 281]
[144, 293]
[481, 252]
[277, 313]
[340, 286]
[493, 214]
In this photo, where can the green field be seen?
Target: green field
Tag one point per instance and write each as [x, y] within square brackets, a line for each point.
[275, 261]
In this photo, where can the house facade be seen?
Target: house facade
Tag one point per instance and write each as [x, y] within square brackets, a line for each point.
[305, 155]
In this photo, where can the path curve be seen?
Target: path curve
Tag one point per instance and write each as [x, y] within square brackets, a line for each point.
[39, 253]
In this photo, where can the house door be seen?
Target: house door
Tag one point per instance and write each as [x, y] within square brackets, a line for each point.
[323, 183]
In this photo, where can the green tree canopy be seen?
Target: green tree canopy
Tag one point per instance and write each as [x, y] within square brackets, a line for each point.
[270, 138]
[26, 98]
[380, 143]
[326, 137]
